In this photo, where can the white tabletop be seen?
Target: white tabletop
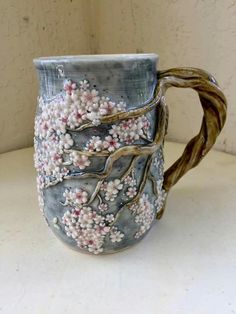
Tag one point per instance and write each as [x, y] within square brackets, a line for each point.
[186, 264]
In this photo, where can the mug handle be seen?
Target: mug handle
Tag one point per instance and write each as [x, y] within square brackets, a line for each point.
[214, 107]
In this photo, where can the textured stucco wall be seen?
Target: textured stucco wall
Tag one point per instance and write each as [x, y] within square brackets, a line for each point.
[32, 28]
[199, 33]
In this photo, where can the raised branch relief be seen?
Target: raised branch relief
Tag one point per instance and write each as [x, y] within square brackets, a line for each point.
[80, 109]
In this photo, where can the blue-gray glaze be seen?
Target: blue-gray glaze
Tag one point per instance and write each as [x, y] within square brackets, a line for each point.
[128, 78]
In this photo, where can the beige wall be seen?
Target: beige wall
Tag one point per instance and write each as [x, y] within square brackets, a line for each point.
[31, 28]
[200, 33]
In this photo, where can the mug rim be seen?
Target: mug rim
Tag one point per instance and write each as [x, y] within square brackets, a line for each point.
[95, 58]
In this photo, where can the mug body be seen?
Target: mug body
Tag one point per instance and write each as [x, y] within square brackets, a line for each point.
[96, 196]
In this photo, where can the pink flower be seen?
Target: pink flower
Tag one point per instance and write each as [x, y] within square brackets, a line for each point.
[111, 143]
[69, 86]
[90, 97]
[80, 115]
[57, 158]
[126, 124]
[81, 196]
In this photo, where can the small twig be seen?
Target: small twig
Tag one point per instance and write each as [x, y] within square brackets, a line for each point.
[99, 198]
[103, 153]
[146, 139]
[96, 191]
[130, 168]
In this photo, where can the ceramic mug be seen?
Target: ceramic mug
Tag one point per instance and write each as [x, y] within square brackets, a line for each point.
[99, 132]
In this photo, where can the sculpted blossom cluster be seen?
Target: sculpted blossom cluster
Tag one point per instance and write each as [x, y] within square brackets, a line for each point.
[86, 104]
[51, 140]
[144, 214]
[85, 225]
[78, 105]
[158, 164]
[131, 130]
[111, 189]
[127, 131]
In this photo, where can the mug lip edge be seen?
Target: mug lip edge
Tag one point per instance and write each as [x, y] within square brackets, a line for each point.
[94, 58]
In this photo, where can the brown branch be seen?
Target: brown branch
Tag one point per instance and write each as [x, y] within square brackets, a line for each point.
[130, 168]
[103, 153]
[96, 191]
[154, 183]
[99, 198]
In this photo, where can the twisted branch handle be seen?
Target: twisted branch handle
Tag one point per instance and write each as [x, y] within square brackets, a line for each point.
[214, 107]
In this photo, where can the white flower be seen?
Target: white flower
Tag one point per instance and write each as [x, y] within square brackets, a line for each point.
[75, 96]
[132, 191]
[116, 236]
[99, 220]
[95, 144]
[112, 189]
[109, 217]
[111, 143]
[121, 106]
[114, 186]
[68, 194]
[86, 219]
[84, 85]
[66, 141]
[107, 108]
[130, 181]
[79, 160]
[115, 130]
[94, 117]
